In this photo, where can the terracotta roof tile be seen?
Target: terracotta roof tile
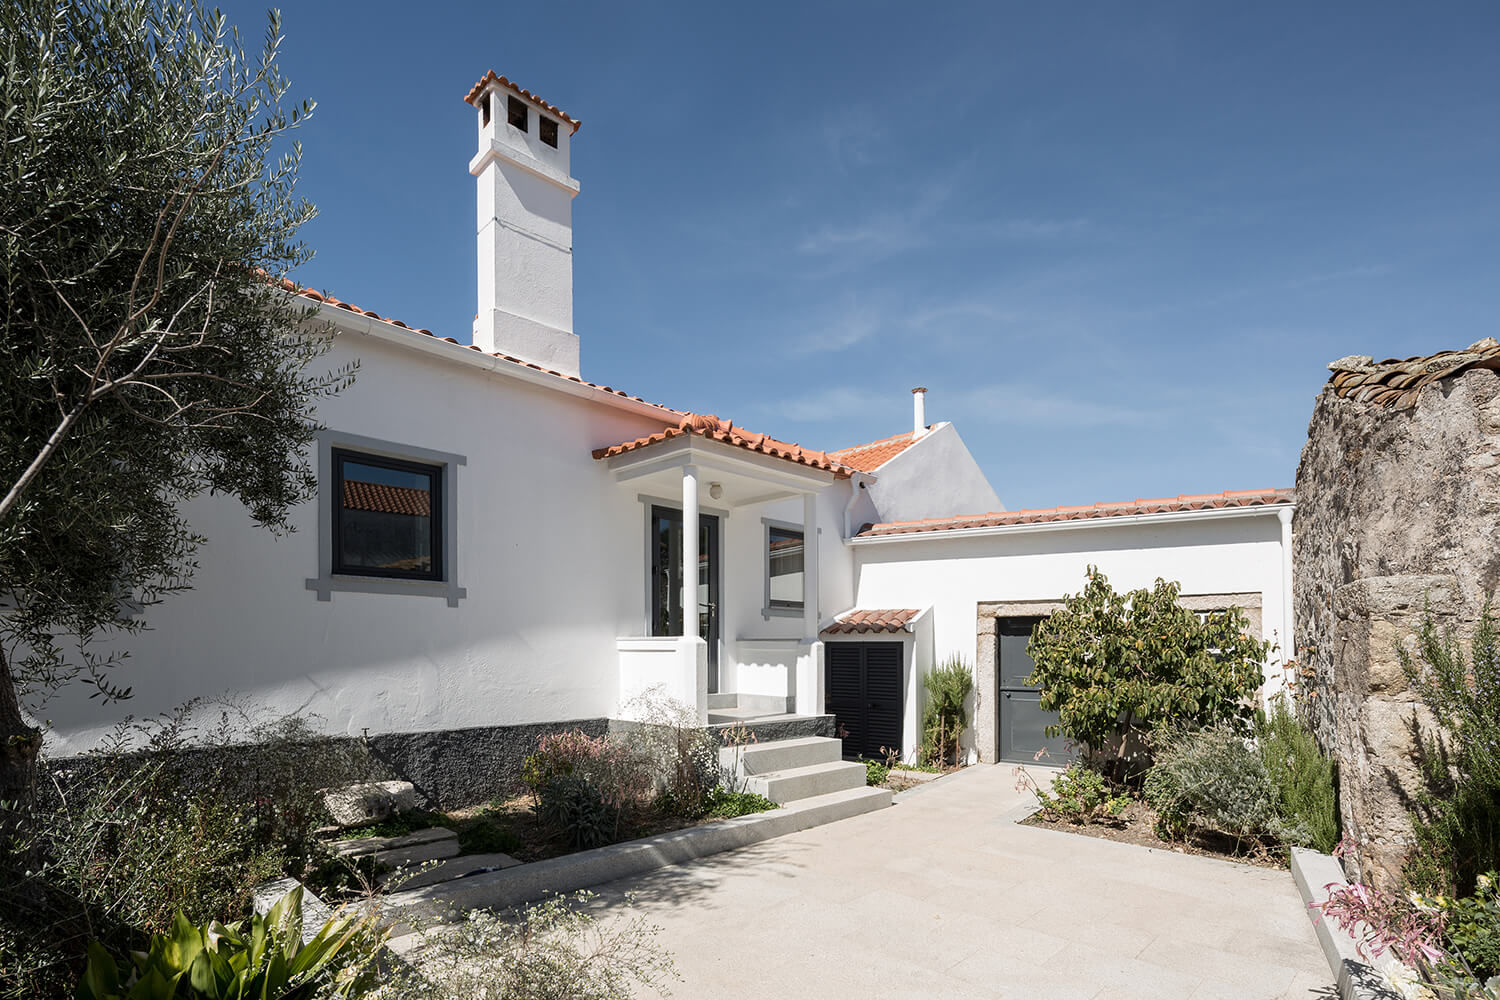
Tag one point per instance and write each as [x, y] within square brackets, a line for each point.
[709, 426]
[382, 498]
[875, 620]
[329, 300]
[493, 77]
[1395, 382]
[1124, 508]
[869, 457]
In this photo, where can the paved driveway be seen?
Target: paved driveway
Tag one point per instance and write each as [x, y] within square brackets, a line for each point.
[942, 895]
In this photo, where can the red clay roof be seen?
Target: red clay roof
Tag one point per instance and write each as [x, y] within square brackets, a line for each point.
[329, 300]
[493, 77]
[876, 620]
[709, 426]
[1394, 383]
[1124, 508]
[869, 457]
[382, 498]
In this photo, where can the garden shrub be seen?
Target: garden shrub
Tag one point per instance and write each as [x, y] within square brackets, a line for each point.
[264, 957]
[1471, 927]
[1113, 664]
[613, 767]
[876, 773]
[681, 756]
[552, 950]
[577, 808]
[1214, 779]
[1301, 778]
[1081, 795]
[1457, 816]
[727, 804]
[166, 816]
[945, 716]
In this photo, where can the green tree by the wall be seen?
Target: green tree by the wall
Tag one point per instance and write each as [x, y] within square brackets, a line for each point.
[1113, 664]
[148, 352]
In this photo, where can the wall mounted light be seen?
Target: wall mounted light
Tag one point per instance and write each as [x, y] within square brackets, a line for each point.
[715, 490]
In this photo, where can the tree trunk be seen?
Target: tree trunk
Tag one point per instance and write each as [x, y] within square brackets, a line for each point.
[19, 743]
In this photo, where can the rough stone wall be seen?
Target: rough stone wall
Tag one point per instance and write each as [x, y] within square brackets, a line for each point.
[1397, 511]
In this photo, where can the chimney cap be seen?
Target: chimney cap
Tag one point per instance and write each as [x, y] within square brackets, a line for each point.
[494, 78]
[920, 388]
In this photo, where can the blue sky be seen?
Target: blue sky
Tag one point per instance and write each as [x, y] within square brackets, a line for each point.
[1118, 242]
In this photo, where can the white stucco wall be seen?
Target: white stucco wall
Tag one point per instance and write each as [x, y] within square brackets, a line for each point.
[953, 573]
[550, 553]
[935, 477]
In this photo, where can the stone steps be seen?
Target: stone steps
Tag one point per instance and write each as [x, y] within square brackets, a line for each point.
[793, 783]
[432, 844]
[777, 755]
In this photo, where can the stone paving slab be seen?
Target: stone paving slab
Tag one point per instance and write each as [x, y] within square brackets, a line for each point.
[943, 895]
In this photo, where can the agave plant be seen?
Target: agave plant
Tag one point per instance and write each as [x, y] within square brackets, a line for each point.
[264, 958]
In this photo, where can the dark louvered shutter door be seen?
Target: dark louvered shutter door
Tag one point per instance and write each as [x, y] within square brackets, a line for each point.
[844, 692]
[883, 698]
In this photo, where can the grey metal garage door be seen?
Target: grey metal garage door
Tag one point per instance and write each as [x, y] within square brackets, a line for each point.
[864, 694]
[1022, 723]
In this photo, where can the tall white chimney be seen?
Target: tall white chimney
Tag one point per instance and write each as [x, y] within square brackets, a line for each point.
[918, 412]
[525, 226]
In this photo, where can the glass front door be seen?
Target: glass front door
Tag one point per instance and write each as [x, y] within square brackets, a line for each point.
[666, 581]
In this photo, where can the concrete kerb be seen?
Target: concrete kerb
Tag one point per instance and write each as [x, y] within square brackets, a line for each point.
[529, 882]
[1357, 980]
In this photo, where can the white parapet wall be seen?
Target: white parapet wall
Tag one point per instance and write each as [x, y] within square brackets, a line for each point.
[675, 667]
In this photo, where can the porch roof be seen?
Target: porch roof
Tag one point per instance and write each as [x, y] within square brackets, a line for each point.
[873, 620]
[710, 427]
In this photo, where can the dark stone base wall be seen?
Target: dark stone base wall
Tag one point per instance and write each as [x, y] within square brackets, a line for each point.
[450, 768]
[454, 768]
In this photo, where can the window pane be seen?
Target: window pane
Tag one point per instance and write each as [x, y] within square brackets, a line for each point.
[386, 521]
[785, 558]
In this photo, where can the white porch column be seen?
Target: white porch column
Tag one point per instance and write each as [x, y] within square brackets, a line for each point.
[810, 566]
[690, 551]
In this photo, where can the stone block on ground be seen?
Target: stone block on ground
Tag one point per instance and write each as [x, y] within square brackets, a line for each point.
[369, 802]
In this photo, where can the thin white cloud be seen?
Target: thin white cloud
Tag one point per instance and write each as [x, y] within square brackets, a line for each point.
[855, 323]
[823, 406]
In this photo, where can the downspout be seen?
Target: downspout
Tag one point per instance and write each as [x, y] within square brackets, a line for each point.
[1289, 647]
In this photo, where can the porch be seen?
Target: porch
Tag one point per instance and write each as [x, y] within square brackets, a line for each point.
[731, 630]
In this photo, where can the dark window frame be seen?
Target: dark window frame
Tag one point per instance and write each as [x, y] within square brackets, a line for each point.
[516, 108]
[435, 519]
[546, 130]
[777, 605]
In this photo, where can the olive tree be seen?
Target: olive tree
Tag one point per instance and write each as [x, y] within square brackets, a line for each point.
[149, 350]
[1110, 664]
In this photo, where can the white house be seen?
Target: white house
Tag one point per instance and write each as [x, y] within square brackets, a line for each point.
[500, 543]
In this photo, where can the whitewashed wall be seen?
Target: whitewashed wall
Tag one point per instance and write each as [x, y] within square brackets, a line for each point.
[550, 553]
[935, 477]
[953, 574]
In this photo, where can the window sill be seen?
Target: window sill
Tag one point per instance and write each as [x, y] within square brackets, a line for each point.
[769, 613]
[325, 587]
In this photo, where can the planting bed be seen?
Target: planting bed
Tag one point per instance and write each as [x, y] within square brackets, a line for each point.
[1135, 826]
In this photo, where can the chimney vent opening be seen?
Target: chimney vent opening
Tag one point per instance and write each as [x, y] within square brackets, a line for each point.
[546, 128]
[484, 109]
[516, 112]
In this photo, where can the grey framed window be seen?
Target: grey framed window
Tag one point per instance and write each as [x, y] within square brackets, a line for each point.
[785, 579]
[387, 519]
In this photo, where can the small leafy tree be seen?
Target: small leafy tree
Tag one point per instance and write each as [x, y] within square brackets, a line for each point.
[148, 353]
[1111, 664]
